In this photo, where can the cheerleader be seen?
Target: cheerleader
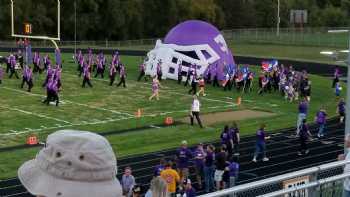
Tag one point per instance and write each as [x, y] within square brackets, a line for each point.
[122, 75]
[201, 83]
[155, 88]
[112, 73]
[87, 75]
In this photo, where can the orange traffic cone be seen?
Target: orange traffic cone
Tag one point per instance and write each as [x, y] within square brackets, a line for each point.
[138, 113]
[169, 121]
[32, 140]
[239, 101]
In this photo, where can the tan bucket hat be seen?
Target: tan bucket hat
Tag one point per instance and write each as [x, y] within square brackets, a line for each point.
[72, 164]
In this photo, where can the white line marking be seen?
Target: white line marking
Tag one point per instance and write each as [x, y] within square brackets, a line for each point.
[153, 126]
[71, 102]
[35, 114]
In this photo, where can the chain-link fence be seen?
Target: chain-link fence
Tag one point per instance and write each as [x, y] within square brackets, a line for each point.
[325, 180]
[287, 36]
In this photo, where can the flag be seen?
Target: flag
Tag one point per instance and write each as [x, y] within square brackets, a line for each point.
[58, 57]
[269, 65]
[29, 58]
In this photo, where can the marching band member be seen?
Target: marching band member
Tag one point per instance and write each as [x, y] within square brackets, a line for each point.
[142, 72]
[87, 75]
[27, 77]
[13, 71]
[122, 75]
[112, 73]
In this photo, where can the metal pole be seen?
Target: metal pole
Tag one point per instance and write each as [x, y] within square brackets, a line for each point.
[278, 18]
[75, 27]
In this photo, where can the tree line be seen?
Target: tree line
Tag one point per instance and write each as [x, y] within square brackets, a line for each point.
[135, 19]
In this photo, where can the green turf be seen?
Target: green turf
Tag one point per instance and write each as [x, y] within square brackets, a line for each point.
[103, 103]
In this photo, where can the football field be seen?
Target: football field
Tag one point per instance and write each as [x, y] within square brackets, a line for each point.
[110, 109]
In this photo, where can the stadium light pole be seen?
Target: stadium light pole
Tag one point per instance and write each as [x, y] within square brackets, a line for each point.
[278, 18]
[347, 116]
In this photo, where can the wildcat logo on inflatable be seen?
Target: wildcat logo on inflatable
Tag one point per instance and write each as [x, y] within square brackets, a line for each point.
[190, 43]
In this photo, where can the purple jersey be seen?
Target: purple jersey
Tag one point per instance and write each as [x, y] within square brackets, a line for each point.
[155, 85]
[199, 156]
[225, 137]
[341, 107]
[158, 169]
[303, 107]
[321, 117]
[112, 70]
[233, 169]
[260, 134]
[183, 157]
[86, 71]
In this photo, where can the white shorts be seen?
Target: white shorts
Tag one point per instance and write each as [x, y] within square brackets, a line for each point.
[218, 175]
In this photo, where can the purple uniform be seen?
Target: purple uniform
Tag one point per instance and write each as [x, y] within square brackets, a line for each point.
[341, 106]
[155, 85]
[233, 169]
[199, 156]
[321, 117]
[260, 134]
[183, 157]
[122, 71]
[303, 107]
[158, 169]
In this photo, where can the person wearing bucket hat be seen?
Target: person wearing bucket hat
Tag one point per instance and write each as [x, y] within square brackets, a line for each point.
[72, 163]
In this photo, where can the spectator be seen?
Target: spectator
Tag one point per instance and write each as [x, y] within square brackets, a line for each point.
[304, 135]
[171, 177]
[188, 190]
[136, 191]
[209, 169]
[199, 156]
[321, 118]
[341, 110]
[233, 171]
[128, 182]
[183, 155]
[234, 132]
[158, 188]
[261, 144]
[302, 113]
[226, 140]
[73, 163]
[159, 168]
[346, 185]
[220, 168]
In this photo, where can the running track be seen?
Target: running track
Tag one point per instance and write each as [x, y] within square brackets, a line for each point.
[281, 149]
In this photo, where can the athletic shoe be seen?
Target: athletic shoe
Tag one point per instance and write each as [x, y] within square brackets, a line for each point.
[307, 151]
[299, 153]
[236, 154]
[265, 159]
[254, 160]
[318, 135]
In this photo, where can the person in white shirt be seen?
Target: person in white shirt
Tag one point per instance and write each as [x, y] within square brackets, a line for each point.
[346, 191]
[195, 109]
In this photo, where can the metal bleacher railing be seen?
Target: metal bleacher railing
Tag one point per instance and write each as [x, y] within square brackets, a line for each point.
[288, 36]
[324, 180]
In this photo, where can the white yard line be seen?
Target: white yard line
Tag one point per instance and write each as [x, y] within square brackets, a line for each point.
[108, 120]
[35, 114]
[71, 102]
